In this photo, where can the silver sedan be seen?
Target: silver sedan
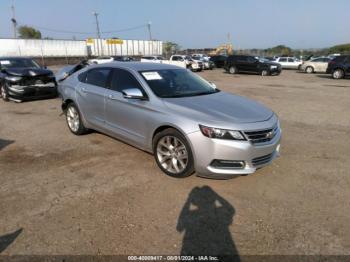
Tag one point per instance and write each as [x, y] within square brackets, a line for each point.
[185, 121]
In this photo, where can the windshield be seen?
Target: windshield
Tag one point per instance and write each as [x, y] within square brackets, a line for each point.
[170, 83]
[263, 59]
[18, 63]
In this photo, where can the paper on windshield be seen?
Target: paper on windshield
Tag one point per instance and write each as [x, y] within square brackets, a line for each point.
[152, 76]
[5, 62]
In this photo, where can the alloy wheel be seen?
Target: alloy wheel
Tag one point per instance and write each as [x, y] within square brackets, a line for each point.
[337, 74]
[73, 119]
[309, 70]
[4, 94]
[232, 70]
[172, 154]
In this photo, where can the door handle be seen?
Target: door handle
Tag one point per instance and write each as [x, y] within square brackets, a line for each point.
[112, 97]
[83, 89]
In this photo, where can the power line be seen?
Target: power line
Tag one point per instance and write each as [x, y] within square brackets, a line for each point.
[86, 33]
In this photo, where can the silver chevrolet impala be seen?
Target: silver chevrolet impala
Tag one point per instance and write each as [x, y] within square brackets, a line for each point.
[185, 121]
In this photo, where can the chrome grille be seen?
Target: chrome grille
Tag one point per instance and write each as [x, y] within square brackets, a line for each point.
[261, 136]
[262, 160]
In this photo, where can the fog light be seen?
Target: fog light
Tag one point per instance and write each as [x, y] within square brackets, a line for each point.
[227, 164]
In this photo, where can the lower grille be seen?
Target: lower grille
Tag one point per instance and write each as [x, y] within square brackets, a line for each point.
[262, 160]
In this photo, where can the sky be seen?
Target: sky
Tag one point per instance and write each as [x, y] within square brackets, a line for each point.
[190, 23]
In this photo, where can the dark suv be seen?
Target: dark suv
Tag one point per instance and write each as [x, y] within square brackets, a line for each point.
[339, 66]
[250, 64]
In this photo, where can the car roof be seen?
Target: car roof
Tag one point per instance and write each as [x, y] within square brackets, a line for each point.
[139, 66]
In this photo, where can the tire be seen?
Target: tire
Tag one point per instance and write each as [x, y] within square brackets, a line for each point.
[309, 69]
[264, 72]
[338, 74]
[4, 93]
[232, 70]
[173, 154]
[74, 122]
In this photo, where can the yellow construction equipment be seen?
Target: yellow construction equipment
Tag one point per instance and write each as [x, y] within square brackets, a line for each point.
[225, 49]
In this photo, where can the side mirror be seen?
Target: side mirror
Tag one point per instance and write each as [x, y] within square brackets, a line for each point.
[133, 93]
[44, 67]
[213, 85]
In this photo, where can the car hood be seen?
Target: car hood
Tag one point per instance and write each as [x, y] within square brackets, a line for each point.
[220, 107]
[28, 71]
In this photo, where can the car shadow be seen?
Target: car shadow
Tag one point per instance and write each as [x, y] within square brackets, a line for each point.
[8, 239]
[205, 219]
[4, 143]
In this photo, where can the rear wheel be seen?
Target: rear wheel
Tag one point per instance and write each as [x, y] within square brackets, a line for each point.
[4, 93]
[309, 70]
[74, 120]
[232, 70]
[173, 154]
[338, 74]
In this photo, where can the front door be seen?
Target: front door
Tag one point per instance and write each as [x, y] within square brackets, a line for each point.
[126, 117]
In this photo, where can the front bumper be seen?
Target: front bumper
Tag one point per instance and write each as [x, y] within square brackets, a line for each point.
[254, 156]
[19, 92]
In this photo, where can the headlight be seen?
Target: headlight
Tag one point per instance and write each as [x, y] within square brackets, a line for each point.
[273, 67]
[213, 132]
[13, 78]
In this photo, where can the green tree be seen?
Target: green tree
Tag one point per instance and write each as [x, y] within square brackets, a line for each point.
[170, 48]
[28, 32]
[343, 49]
[279, 50]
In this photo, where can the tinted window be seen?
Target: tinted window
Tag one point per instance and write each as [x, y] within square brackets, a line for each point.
[251, 59]
[242, 58]
[82, 77]
[98, 76]
[283, 60]
[318, 60]
[291, 60]
[123, 79]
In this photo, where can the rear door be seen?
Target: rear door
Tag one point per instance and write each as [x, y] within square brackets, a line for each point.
[126, 117]
[90, 95]
[242, 63]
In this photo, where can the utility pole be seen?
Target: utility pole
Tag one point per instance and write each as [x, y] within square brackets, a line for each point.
[97, 25]
[98, 31]
[14, 21]
[149, 30]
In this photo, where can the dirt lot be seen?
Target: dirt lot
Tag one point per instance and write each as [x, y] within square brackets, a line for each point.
[96, 195]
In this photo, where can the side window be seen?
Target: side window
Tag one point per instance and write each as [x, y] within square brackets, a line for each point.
[82, 77]
[251, 59]
[122, 79]
[282, 59]
[242, 59]
[291, 60]
[98, 77]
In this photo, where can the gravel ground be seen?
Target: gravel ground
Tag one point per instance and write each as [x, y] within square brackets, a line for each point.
[62, 194]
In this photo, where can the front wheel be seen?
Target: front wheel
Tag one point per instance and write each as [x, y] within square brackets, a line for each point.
[173, 153]
[4, 93]
[338, 74]
[74, 120]
[264, 72]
